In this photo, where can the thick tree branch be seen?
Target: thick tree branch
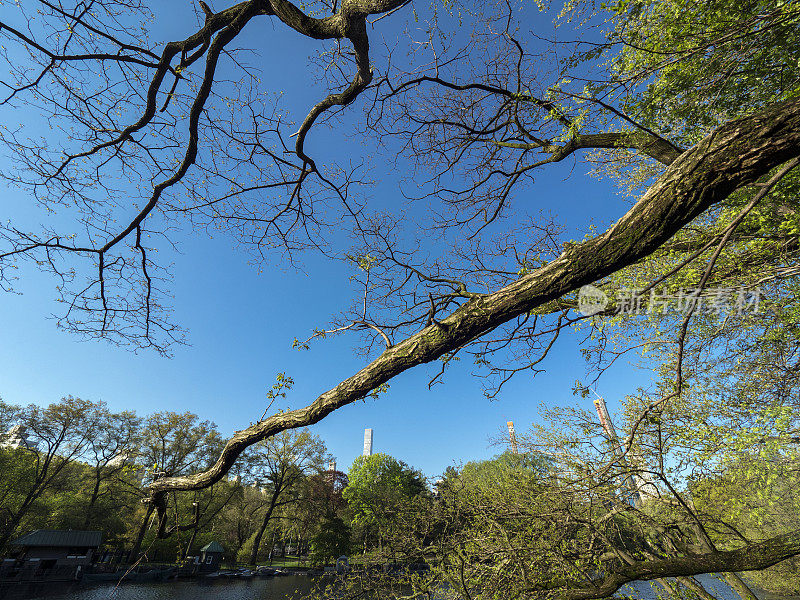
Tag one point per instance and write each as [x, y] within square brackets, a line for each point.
[657, 148]
[731, 157]
[749, 558]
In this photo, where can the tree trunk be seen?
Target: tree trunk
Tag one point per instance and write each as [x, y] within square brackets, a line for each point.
[752, 557]
[16, 518]
[195, 527]
[9, 529]
[738, 584]
[732, 579]
[731, 157]
[260, 533]
[137, 545]
[87, 519]
[272, 548]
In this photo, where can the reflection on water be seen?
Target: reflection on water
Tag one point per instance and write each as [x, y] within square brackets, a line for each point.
[714, 586]
[276, 588]
[717, 588]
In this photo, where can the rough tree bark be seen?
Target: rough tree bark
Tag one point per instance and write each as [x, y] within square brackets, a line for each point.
[731, 157]
[137, 543]
[749, 558]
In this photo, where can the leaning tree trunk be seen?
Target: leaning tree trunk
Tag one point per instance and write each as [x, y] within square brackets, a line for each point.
[137, 545]
[738, 584]
[731, 157]
[195, 527]
[16, 518]
[731, 578]
[87, 518]
[260, 533]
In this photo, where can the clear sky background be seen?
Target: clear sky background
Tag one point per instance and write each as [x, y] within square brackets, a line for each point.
[242, 322]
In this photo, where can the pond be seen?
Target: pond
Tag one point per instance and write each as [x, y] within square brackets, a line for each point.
[277, 588]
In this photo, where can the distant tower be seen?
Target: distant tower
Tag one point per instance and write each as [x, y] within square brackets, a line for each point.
[605, 419]
[368, 442]
[637, 480]
[513, 437]
[330, 476]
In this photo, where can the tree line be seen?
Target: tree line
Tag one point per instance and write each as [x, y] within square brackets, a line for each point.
[536, 523]
[550, 514]
[76, 464]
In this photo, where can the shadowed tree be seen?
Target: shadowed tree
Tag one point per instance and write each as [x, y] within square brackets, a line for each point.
[279, 464]
[58, 434]
[174, 444]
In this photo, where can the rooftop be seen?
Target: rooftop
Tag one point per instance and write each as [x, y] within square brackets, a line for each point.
[212, 547]
[60, 538]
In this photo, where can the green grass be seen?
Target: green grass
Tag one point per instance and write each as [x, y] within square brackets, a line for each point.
[288, 561]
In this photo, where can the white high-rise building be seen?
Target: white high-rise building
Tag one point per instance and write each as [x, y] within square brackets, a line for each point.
[368, 442]
[17, 437]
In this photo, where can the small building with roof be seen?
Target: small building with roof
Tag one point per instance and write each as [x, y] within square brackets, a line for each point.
[51, 554]
[58, 546]
[211, 556]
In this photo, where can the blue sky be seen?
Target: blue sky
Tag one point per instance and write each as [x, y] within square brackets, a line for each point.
[242, 322]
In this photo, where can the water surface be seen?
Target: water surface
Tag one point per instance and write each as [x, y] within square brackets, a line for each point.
[274, 588]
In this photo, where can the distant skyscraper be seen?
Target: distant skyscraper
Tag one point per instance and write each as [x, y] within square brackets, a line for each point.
[639, 482]
[512, 436]
[368, 442]
[17, 437]
[605, 419]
